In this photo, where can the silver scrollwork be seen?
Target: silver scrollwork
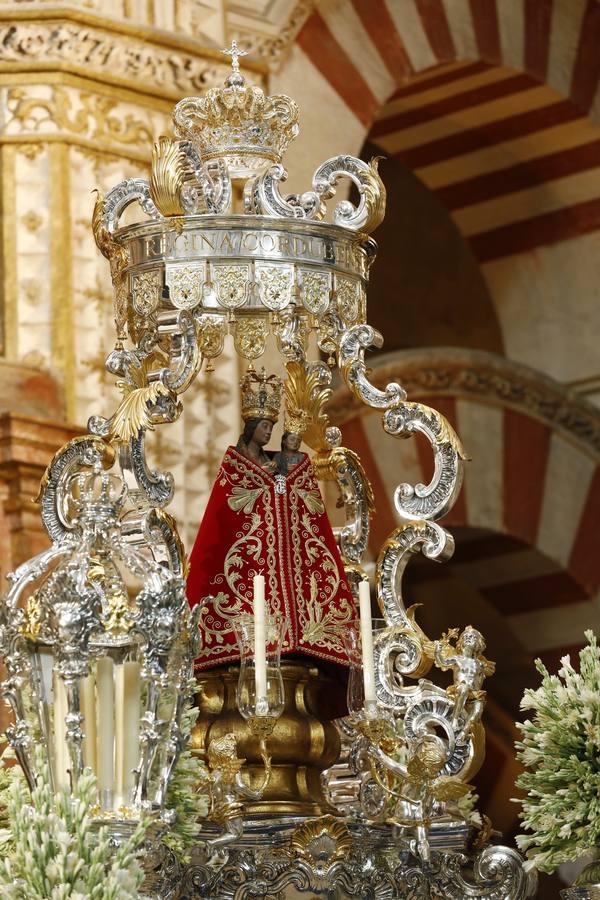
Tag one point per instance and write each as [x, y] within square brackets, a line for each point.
[435, 543]
[122, 195]
[354, 342]
[434, 500]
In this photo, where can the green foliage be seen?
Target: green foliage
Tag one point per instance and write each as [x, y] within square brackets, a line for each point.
[185, 795]
[49, 850]
[560, 749]
[8, 775]
[54, 853]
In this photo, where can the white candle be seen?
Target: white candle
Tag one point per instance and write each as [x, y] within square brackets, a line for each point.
[260, 650]
[119, 733]
[105, 689]
[88, 711]
[61, 755]
[366, 639]
[127, 724]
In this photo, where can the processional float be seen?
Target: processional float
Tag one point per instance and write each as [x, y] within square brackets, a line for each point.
[96, 632]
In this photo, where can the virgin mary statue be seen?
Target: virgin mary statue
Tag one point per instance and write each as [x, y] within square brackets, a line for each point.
[265, 515]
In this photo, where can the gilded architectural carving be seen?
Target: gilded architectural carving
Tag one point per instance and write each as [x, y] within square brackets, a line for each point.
[32, 221]
[94, 116]
[273, 48]
[32, 291]
[136, 60]
[30, 151]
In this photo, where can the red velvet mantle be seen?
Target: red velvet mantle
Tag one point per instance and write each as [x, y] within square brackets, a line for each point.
[257, 522]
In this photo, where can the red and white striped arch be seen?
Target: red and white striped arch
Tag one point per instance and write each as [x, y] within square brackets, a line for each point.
[533, 482]
[367, 48]
[494, 104]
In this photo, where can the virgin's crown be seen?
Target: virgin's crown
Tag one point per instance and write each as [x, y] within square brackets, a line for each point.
[261, 396]
[238, 124]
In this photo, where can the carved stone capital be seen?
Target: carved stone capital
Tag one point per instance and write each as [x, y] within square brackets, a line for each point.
[135, 57]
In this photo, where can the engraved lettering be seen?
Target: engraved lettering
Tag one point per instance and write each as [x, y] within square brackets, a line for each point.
[167, 243]
[284, 245]
[267, 243]
[203, 242]
[315, 248]
[250, 242]
[226, 245]
[301, 247]
[150, 248]
[182, 243]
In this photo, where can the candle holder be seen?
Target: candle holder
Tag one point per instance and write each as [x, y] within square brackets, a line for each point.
[98, 642]
[359, 708]
[260, 693]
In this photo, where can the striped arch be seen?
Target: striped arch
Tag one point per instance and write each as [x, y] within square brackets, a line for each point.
[534, 478]
[494, 105]
[367, 48]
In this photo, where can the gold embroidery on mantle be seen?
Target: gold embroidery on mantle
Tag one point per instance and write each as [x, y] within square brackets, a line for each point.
[254, 539]
[313, 627]
[318, 625]
[313, 501]
[282, 539]
[243, 498]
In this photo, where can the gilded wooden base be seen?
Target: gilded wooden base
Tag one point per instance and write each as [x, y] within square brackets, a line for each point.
[303, 744]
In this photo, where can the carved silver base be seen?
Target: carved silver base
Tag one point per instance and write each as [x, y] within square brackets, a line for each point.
[160, 865]
[163, 873]
[589, 892]
[376, 867]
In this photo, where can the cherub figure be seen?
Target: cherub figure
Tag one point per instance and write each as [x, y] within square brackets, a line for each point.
[227, 789]
[420, 784]
[470, 668]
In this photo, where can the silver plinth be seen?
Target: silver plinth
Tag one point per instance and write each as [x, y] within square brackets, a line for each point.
[377, 867]
[589, 892]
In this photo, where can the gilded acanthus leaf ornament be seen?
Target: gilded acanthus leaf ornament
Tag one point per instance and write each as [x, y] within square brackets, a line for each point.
[375, 196]
[305, 400]
[170, 171]
[133, 414]
[118, 257]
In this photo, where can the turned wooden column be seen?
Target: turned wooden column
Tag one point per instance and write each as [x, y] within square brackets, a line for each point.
[304, 742]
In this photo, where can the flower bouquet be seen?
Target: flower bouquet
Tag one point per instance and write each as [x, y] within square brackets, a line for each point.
[560, 749]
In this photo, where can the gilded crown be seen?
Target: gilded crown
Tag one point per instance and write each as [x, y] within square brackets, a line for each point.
[238, 124]
[261, 396]
[296, 421]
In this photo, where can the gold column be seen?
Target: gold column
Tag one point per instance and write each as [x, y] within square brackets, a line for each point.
[9, 251]
[304, 743]
[61, 272]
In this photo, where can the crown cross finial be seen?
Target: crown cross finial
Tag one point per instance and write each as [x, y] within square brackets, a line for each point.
[234, 52]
